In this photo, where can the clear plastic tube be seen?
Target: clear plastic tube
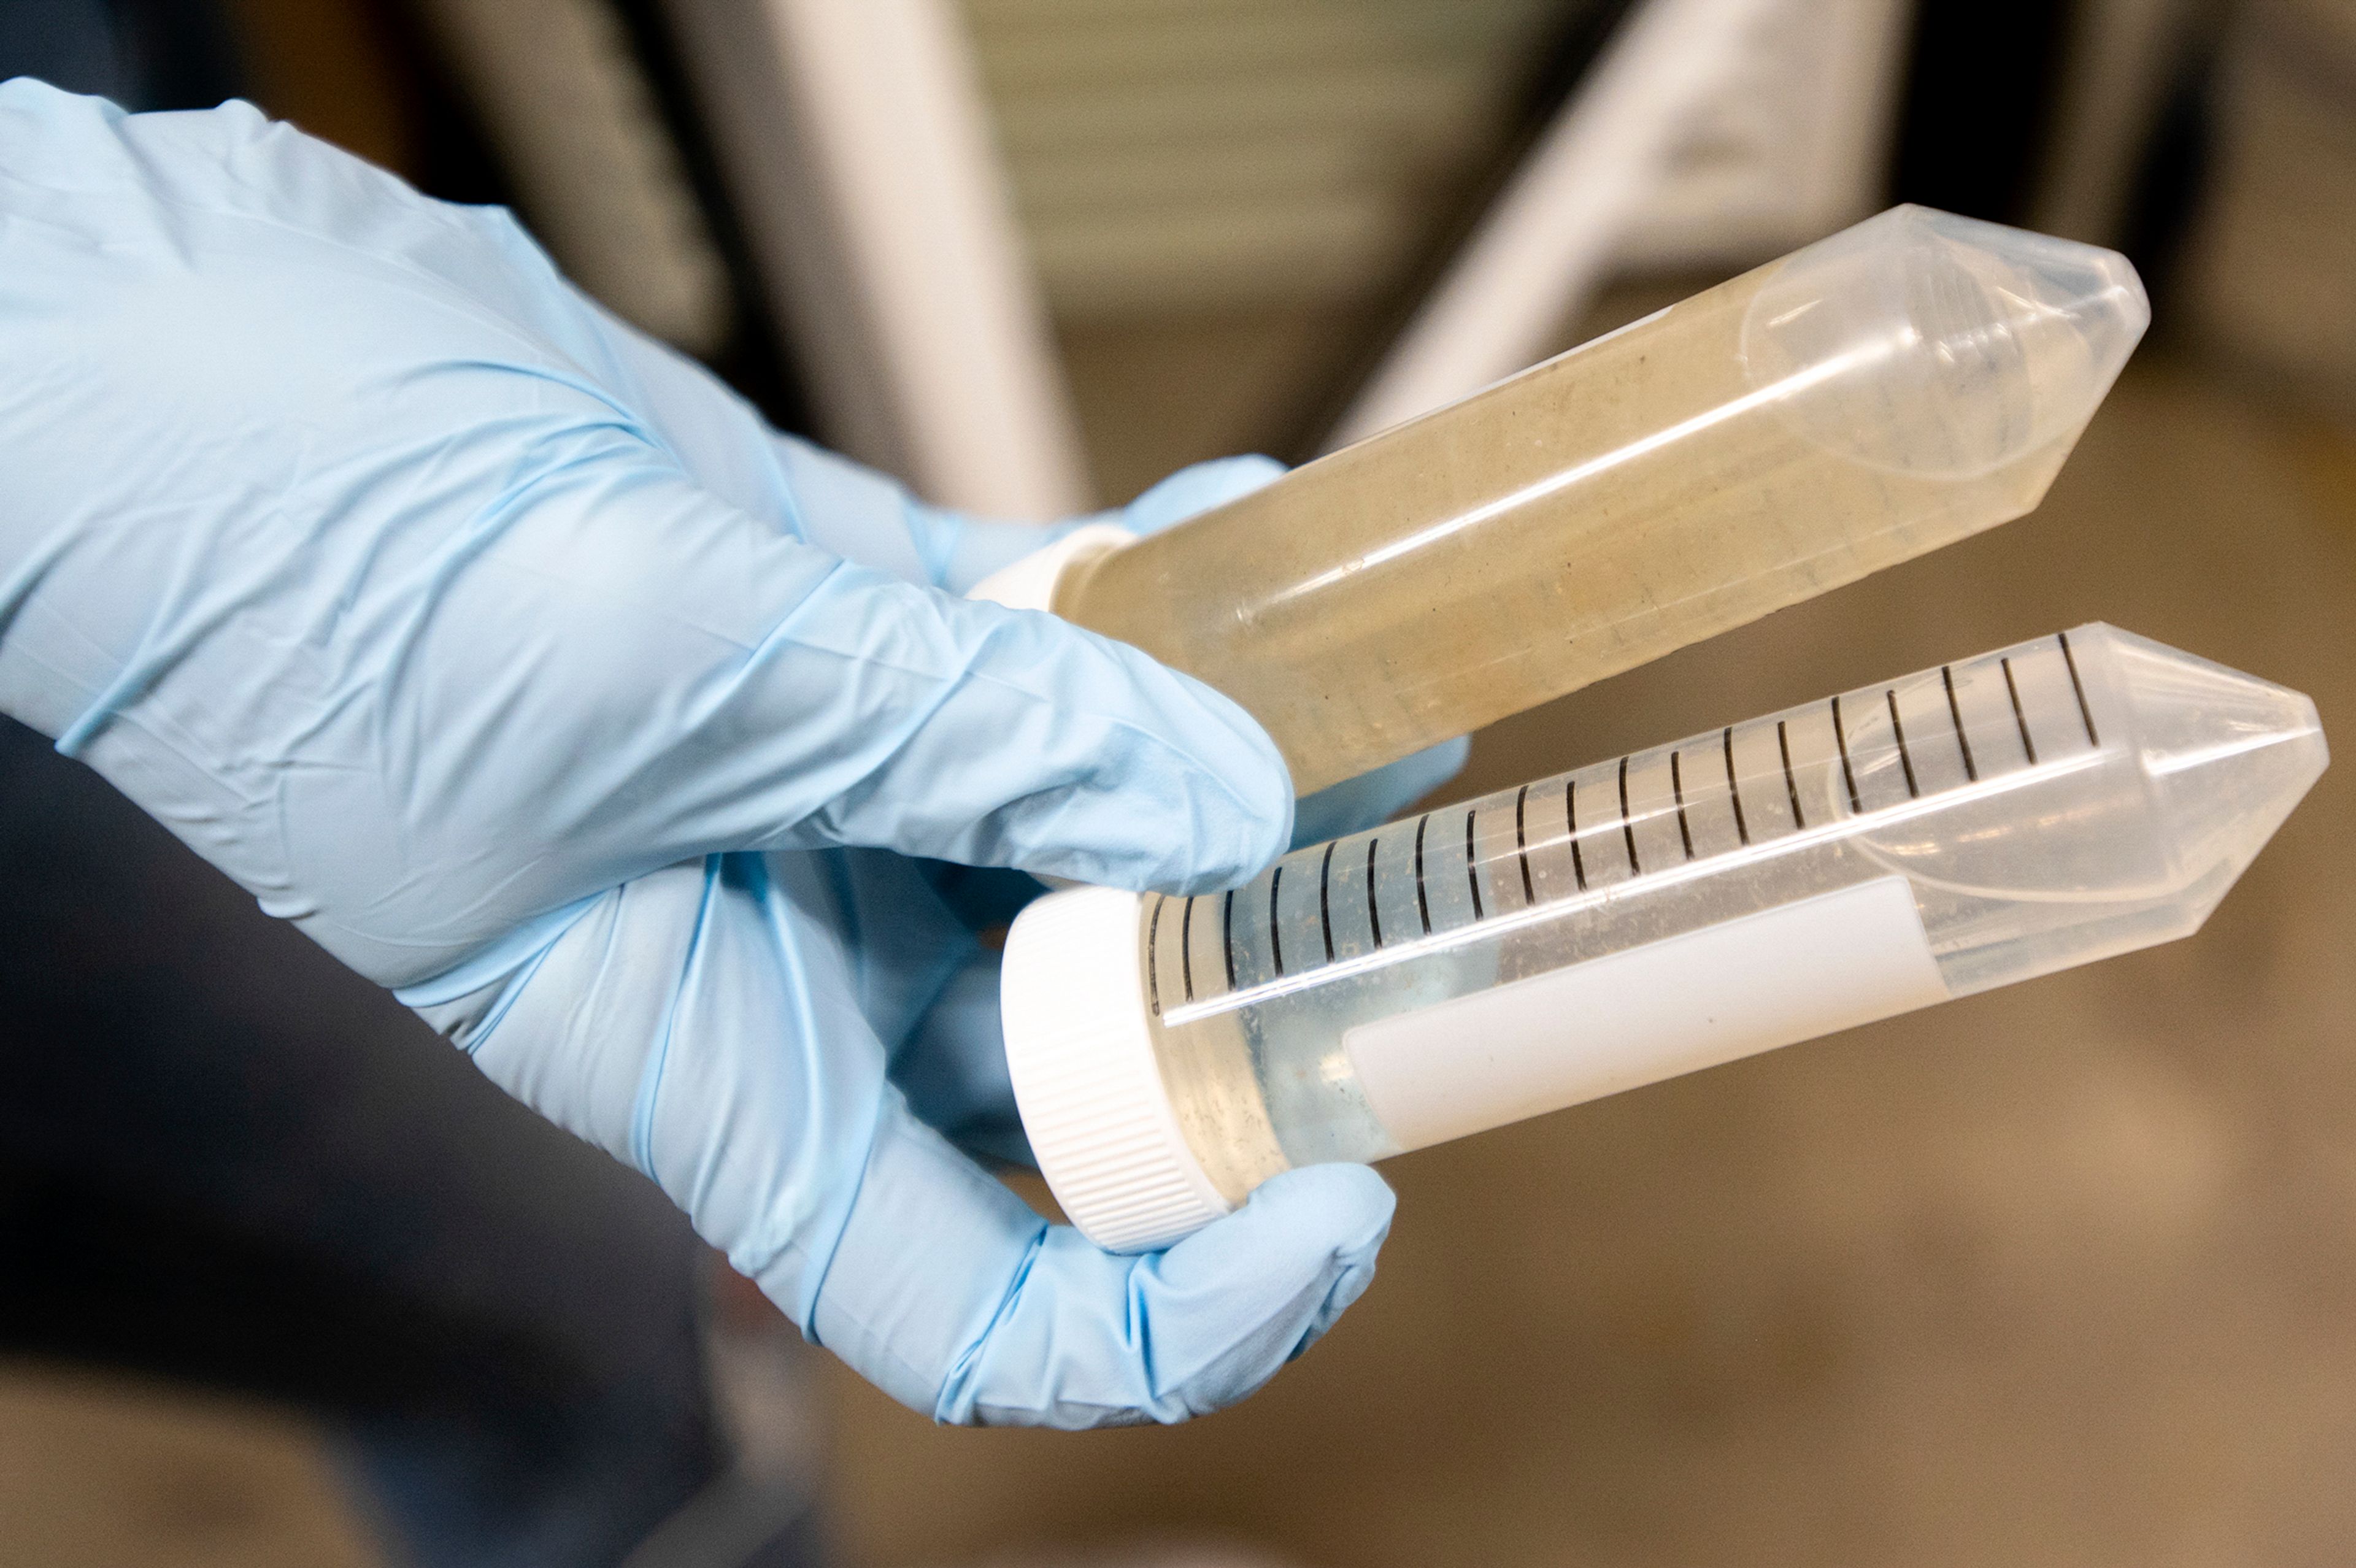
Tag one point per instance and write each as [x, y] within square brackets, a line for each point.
[1961, 828]
[1888, 390]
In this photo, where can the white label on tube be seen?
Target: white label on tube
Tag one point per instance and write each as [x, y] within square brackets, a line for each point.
[1578, 1033]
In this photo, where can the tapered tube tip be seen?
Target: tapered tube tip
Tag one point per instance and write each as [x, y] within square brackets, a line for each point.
[1942, 346]
[2228, 756]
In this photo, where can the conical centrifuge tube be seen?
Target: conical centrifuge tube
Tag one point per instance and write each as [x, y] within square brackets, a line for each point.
[1963, 828]
[1876, 395]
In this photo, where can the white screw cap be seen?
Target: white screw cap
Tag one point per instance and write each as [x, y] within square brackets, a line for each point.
[1029, 583]
[1081, 1054]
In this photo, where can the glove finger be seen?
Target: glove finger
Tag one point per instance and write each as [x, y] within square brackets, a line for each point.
[801, 490]
[1197, 489]
[984, 898]
[870, 517]
[1374, 798]
[1091, 1337]
[969, 733]
[661, 677]
[970, 549]
[949, 1292]
[859, 512]
[952, 1067]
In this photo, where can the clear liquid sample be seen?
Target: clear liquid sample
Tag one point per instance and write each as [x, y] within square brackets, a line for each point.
[1888, 390]
[1961, 828]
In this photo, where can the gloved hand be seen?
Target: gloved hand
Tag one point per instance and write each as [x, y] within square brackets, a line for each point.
[516, 662]
[1368, 801]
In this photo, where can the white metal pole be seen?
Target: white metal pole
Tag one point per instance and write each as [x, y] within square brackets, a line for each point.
[1543, 248]
[857, 140]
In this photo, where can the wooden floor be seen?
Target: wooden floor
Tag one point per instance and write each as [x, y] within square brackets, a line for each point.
[2064, 1274]
[96, 1473]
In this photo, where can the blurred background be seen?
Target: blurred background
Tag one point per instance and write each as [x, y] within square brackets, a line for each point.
[2062, 1274]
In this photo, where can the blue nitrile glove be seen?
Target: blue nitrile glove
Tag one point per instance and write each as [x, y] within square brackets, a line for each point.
[1368, 801]
[962, 1088]
[521, 665]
